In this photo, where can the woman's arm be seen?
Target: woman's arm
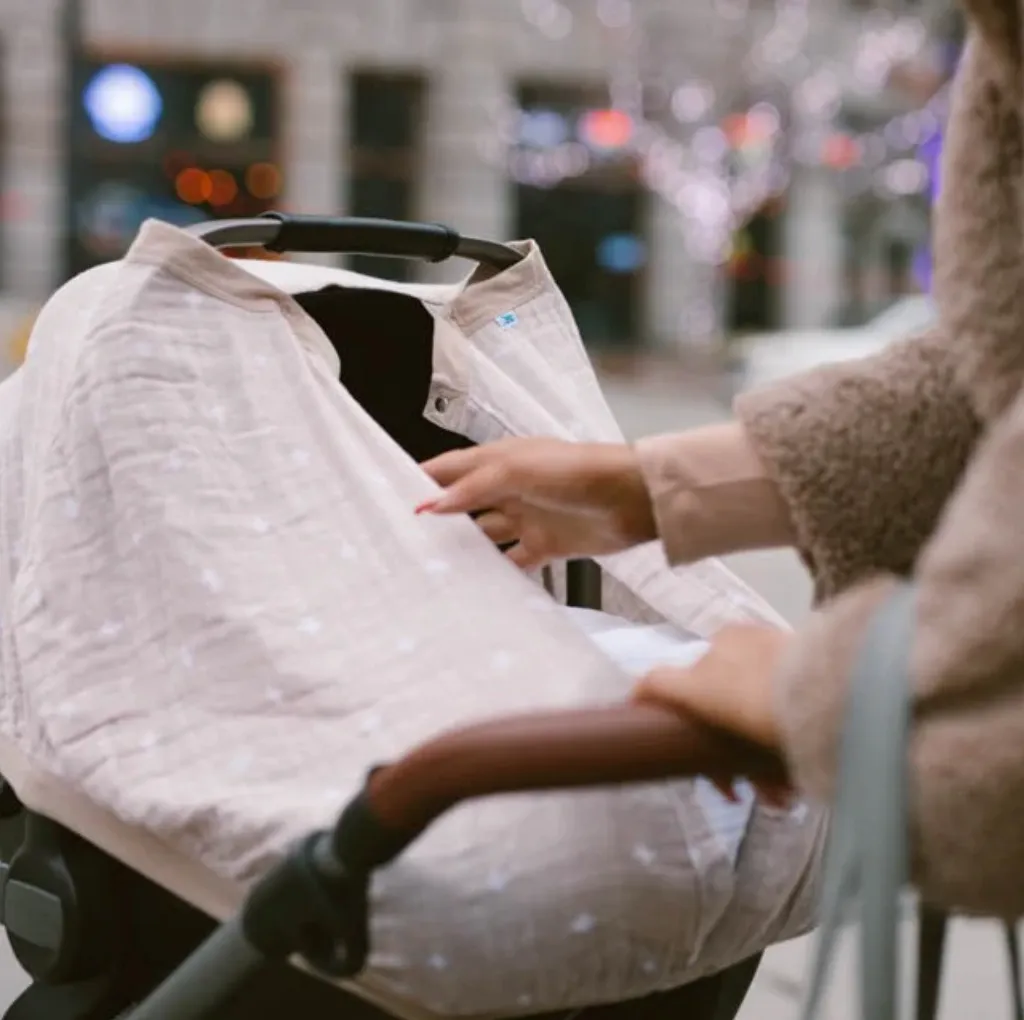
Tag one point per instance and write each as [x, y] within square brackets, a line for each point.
[711, 494]
[851, 463]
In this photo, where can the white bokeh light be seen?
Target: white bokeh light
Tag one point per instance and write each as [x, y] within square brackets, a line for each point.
[224, 112]
[123, 104]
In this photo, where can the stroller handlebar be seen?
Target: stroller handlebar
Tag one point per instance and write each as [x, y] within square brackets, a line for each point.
[625, 743]
[280, 232]
[316, 903]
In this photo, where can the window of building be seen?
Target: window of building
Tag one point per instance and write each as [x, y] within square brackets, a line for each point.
[177, 142]
[384, 157]
[898, 264]
[576, 191]
[755, 272]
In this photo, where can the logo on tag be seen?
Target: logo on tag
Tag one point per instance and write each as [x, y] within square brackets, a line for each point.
[507, 320]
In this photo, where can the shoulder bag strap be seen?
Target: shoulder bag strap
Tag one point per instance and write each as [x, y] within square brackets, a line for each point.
[867, 855]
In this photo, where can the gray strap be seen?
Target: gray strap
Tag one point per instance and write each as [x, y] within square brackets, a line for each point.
[867, 851]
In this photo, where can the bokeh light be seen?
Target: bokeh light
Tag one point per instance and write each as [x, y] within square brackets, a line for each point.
[223, 188]
[194, 186]
[123, 104]
[224, 111]
[263, 181]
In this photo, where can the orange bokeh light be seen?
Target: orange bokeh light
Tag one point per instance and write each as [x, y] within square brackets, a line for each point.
[257, 254]
[735, 128]
[607, 129]
[223, 188]
[193, 186]
[263, 180]
[840, 152]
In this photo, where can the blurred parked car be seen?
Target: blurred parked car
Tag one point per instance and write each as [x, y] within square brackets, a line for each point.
[767, 357]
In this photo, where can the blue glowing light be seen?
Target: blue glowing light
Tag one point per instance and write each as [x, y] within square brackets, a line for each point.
[621, 253]
[123, 103]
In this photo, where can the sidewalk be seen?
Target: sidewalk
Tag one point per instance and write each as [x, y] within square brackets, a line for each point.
[976, 985]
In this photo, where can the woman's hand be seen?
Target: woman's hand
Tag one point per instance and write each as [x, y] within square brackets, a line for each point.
[553, 499]
[730, 688]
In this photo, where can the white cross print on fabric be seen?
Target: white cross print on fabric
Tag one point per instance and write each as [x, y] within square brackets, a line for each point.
[369, 724]
[583, 924]
[211, 580]
[644, 855]
[497, 881]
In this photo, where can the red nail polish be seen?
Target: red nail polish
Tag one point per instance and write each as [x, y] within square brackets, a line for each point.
[424, 507]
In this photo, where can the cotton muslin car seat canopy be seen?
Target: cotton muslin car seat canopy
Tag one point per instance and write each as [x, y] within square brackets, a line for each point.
[221, 611]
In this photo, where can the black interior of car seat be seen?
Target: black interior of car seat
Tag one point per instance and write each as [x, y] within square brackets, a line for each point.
[386, 345]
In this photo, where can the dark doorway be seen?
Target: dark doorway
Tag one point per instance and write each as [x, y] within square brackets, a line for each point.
[756, 273]
[591, 243]
[384, 156]
[589, 220]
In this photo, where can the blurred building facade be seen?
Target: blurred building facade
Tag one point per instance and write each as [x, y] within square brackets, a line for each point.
[417, 109]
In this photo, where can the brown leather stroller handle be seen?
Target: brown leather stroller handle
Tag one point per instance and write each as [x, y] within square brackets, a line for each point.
[625, 743]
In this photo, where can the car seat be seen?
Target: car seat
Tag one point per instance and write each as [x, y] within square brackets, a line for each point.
[96, 937]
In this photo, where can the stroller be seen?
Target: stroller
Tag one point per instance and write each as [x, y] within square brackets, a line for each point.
[100, 940]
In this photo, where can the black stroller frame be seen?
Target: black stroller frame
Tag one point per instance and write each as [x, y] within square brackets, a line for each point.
[56, 890]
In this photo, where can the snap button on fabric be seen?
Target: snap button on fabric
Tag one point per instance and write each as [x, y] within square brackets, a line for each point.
[441, 404]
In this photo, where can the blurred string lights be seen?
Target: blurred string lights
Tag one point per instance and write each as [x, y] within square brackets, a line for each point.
[719, 163]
